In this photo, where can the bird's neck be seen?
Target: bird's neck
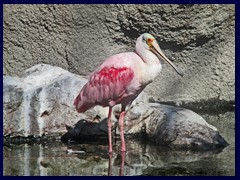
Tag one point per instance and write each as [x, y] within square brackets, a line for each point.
[147, 56]
[152, 65]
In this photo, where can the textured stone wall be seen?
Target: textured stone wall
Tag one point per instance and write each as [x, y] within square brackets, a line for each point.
[200, 39]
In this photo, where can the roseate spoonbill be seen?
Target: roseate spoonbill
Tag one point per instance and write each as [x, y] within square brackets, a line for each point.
[121, 78]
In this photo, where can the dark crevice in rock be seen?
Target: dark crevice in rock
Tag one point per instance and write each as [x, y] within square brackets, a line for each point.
[175, 46]
[69, 63]
[180, 28]
[200, 40]
[172, 45]
[130, 32]
[211, 106]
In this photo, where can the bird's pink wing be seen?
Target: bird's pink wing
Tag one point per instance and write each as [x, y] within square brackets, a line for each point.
[107, 84]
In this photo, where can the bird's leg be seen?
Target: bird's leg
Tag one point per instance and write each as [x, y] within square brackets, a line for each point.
[109, 131]
[121, 126]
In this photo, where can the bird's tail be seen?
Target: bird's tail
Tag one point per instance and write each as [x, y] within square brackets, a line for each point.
[77, 103]
[80, 105]
[77, 100]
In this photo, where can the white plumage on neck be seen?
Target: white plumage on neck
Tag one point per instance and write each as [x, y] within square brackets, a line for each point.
[152, 64]
[147, 56]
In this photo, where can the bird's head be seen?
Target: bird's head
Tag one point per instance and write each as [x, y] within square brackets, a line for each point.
[150, 43]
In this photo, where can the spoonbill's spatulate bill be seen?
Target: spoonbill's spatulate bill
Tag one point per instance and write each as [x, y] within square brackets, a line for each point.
[121, 78]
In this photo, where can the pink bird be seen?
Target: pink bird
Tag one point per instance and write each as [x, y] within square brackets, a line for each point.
[120, 79]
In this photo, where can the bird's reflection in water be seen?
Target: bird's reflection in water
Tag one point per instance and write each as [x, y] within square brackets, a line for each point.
[121, 171]
[110, 165]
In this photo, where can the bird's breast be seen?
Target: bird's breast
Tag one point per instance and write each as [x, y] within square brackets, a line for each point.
[149, 72]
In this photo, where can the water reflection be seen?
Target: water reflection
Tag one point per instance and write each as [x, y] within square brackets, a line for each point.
[141, 158]
[110, 165]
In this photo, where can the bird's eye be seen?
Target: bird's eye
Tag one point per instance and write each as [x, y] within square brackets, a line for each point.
[149, 40]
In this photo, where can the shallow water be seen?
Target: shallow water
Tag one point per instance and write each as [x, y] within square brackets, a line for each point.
[140, 158]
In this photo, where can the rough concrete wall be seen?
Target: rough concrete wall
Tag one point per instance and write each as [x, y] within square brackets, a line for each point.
[197, 38]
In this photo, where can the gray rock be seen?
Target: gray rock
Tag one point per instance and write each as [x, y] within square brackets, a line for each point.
[198, 38]
[173, 126]
[43, 102]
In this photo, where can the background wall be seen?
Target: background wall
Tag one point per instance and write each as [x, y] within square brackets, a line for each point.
[200, 39]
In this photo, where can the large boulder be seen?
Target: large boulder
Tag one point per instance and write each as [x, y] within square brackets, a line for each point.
[40, 101]
[176, 127]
